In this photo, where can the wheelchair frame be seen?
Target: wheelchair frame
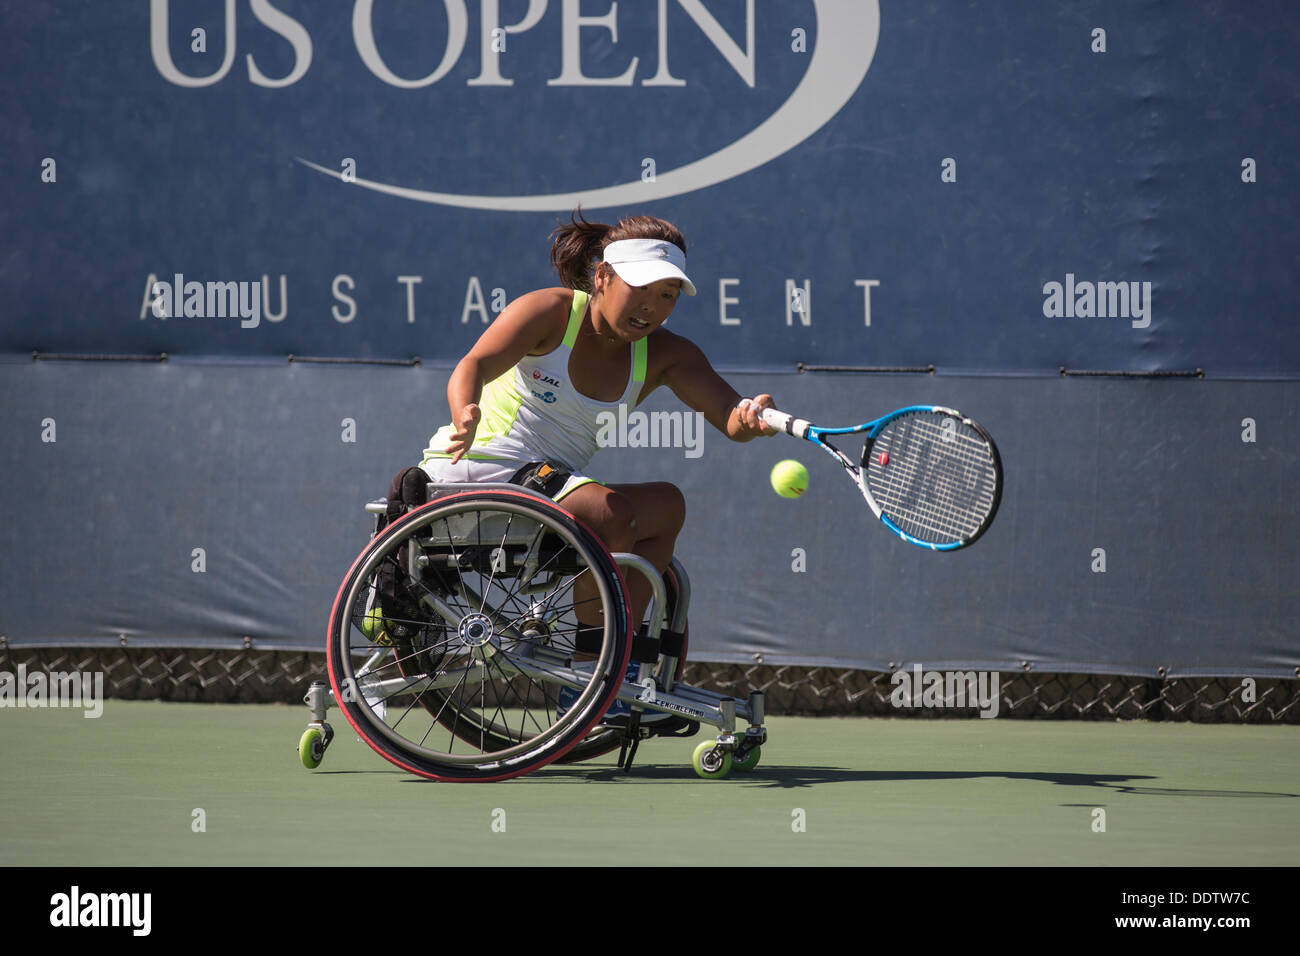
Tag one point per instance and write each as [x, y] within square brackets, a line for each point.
[483, 636]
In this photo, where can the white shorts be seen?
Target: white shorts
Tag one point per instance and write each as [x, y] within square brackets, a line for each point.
[465, 470]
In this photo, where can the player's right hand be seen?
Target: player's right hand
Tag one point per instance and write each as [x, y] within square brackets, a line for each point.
[466, 425]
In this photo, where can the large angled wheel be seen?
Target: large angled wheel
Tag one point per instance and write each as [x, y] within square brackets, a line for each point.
[454, 634]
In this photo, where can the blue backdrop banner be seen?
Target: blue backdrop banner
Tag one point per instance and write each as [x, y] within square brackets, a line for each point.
[1005, 187]
[990, 193]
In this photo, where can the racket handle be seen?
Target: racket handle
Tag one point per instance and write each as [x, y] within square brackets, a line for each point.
[786, 423]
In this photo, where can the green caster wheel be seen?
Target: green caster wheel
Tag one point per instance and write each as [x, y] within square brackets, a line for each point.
[311, 747]
[747, 762]
[710, 762]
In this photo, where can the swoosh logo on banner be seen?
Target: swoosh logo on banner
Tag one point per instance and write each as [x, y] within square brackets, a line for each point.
[847, 32]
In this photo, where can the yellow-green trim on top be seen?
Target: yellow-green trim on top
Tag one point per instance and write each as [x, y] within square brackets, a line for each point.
[575, 318]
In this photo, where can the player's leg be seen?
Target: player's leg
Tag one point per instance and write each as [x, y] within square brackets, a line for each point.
[643, 519]
[660, 511]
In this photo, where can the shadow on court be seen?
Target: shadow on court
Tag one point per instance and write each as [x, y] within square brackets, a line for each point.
[796, 777]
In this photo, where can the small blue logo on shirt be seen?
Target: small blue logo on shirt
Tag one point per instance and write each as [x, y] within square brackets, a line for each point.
[549, 398]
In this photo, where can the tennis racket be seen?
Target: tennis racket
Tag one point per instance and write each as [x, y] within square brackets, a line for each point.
[930, 474]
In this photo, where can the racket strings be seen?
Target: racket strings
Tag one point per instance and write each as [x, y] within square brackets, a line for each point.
[939, 489]
[936, 515]
[940, 484]
[936, 494]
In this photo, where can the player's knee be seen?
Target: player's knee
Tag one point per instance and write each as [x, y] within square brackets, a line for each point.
[672, 508]
[617, 525]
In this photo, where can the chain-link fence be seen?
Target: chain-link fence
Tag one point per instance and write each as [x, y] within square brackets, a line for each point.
[254, 676]
[821, 690]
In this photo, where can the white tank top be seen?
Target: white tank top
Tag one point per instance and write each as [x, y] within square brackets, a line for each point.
[533, 412]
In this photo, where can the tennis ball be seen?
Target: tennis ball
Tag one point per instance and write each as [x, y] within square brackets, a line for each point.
[372, 626]
[789, 478]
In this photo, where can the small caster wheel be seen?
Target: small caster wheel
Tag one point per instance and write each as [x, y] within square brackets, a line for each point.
[710, 762]
[311, 747]
[748, 762]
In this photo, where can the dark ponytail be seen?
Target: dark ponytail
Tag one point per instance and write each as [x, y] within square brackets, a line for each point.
[579, 245]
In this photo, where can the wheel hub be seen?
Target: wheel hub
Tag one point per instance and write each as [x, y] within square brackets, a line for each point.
[475, 630]
[534, 629]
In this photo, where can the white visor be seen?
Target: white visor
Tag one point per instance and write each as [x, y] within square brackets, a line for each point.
[643, 261]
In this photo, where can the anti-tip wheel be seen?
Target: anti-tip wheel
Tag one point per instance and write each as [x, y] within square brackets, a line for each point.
[710, 762]
[311, 747]
[748, 762]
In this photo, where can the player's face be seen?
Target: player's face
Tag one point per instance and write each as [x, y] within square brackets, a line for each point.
[633, 312]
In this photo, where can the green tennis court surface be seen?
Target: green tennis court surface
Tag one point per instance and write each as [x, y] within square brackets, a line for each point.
[124, 790]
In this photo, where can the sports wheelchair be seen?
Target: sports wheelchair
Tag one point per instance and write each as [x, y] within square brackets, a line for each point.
[456, 652]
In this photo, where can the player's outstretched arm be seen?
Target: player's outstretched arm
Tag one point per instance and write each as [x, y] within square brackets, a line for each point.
[697, 384]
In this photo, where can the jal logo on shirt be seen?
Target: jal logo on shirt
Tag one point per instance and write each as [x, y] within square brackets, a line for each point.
[545, 380]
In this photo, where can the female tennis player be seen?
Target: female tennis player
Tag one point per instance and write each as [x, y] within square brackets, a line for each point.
[525, 400]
